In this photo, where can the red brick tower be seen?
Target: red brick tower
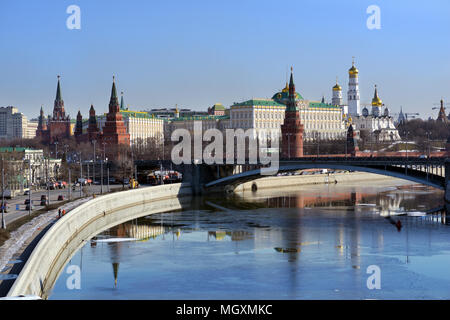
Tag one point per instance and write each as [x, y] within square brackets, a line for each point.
[42, 125]
[115, 131]
[79, 127]
[93, 132]
[292, 128]
[59, 124]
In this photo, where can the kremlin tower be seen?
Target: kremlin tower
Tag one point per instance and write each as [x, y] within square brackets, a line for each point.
[115, 131]
[442, 117]
[353, 91]
[93, 132]
[292, 128]
[58, 126]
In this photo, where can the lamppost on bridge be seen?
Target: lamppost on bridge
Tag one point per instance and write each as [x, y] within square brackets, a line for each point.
[428, 143]
[407, 144]
[93, 167]
[101, 168]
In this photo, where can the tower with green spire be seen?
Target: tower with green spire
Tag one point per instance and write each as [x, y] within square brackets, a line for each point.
[292, 128]
[58, 107]
[122, 104]
[115, 132]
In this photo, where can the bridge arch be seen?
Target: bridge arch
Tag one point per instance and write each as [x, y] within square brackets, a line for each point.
[392, 171]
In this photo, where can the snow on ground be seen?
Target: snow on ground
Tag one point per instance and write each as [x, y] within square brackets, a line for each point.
[24, 232]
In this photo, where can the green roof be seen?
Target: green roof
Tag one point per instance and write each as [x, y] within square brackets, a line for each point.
[259, 102]
[209, 117]
[315, 104]
[16, 149]
[218, 106]
[283, 96]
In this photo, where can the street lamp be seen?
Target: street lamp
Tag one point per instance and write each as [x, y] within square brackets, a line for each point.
[29, 186]
[81, 174]
[93, 167]
[318, 141]
[3, 196]
[101, 169]
[428, 143]
[56, 149]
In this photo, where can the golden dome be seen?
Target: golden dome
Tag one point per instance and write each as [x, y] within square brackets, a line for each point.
[337, 88]
[353, 71]
[376, 101]
[286, 89]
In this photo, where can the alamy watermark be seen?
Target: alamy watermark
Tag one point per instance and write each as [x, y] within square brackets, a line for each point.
[374, 20]
[74, 280]
[74, 20]
[374, 280]
[190, 150]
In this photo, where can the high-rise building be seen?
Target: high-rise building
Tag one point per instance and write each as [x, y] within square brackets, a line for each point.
[14, 124]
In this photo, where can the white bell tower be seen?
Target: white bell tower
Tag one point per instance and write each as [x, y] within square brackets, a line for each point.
[337, 95]
[353, 91]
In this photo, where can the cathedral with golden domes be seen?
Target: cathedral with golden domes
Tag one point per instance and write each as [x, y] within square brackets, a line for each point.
[378, 123]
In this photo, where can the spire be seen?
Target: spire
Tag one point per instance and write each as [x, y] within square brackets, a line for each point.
[58, 91]
[113, 101]
[115, 272]
[113, 90]
[92, 111]
[292, 85]
[122, 104]
[58, 107]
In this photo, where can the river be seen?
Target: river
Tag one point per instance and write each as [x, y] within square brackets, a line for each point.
[343, 241]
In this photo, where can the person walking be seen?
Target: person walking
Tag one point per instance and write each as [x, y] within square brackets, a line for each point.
[59, 213]
[64, 212]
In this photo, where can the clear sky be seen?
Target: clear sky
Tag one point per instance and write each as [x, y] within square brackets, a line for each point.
[195, 53]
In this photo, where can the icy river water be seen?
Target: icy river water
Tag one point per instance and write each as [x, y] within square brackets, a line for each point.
[344, 241]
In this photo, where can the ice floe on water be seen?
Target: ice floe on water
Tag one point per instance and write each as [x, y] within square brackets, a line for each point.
[24, 232]
[416, 214]
[115, 240]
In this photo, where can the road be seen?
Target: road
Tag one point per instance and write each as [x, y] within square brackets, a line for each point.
[16, 206]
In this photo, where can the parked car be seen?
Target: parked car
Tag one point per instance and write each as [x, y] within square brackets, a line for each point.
[5, 206]
[27, 192]
[60, 197]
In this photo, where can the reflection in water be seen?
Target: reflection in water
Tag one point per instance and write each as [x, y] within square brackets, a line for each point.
[311, 243]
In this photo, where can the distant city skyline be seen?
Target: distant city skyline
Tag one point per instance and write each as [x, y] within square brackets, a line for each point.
[195, 54]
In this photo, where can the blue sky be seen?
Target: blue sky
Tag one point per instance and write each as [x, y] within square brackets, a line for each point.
[195, 53]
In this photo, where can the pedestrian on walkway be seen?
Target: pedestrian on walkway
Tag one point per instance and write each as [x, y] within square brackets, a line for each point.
[59, 213]
[64, 212]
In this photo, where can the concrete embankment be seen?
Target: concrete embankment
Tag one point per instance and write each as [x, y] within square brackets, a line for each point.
[285, 181]
[72, 231]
